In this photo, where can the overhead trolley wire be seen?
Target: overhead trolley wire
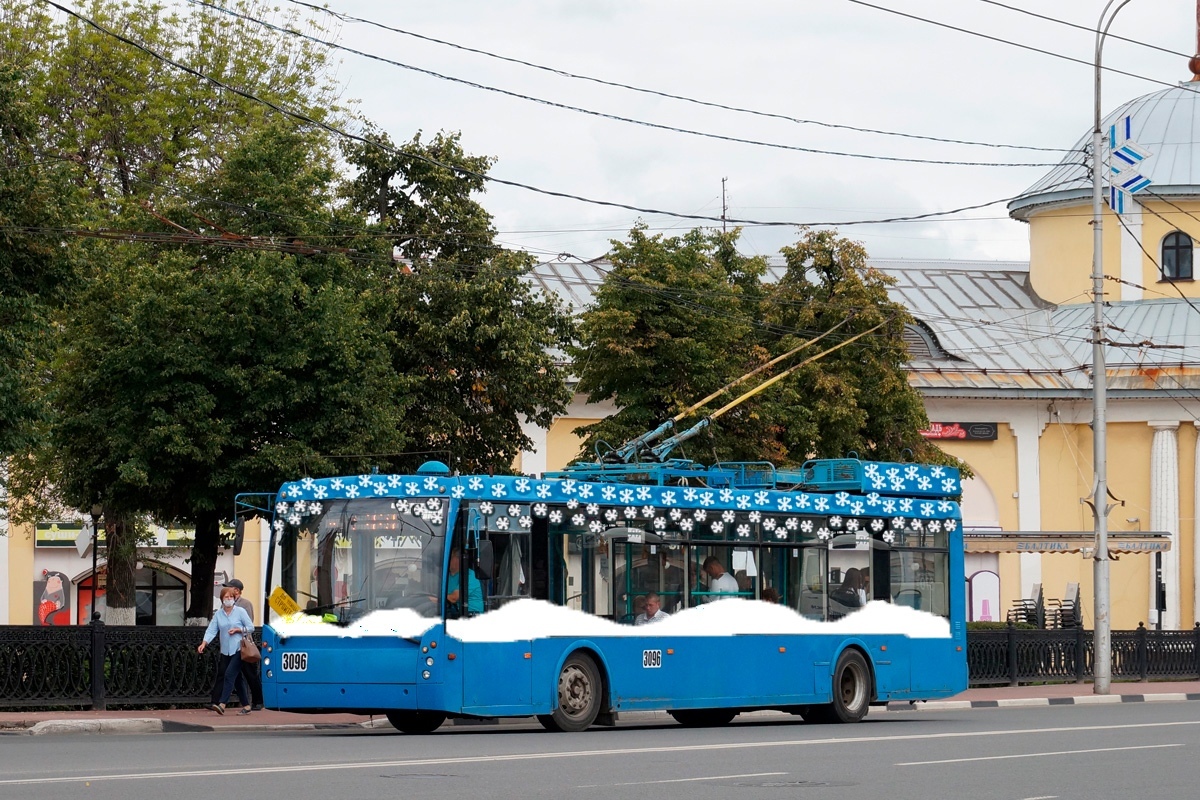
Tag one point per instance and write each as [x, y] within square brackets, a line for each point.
[604, 115]
[658, 93]
[304, 118]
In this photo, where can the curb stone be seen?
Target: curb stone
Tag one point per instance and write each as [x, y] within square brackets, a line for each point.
[1030, 702]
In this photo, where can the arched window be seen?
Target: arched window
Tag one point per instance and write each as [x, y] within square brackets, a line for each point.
[1177, 256]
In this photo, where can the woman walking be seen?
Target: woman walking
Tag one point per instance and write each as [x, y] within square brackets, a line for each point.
[232, 623]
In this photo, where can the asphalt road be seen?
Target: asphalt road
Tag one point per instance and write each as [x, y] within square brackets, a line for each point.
[1124, 752]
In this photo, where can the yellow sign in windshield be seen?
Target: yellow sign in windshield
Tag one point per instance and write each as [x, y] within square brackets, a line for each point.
[282, 603]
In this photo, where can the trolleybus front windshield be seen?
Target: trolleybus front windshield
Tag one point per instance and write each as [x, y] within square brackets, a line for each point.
[359, 555]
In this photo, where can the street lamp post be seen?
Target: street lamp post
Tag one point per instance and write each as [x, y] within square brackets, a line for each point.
[1102, 644]
[97, 513]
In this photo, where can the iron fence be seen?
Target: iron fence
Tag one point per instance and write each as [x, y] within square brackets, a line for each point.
[95, 666]
[1019, 655]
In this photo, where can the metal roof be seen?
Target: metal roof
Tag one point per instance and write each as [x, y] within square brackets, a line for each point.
[1166, 123]
[994, 336]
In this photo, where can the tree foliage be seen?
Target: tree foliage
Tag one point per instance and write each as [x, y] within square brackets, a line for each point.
[679, 318]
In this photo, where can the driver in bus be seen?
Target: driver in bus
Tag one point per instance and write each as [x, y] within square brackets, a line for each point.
[474, 590]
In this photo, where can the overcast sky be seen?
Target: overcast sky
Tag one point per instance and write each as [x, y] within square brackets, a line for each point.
[830, 61]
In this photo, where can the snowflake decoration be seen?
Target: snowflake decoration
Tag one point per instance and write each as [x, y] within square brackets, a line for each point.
[911, 472]
[873, 499]
[951, 525]
[949, 486]
[278, 526]
[761, 498]
[568, 486]
[631, 512]
[293, 519]
[380, 488]
[727, 515]
[501, 523]
[648, 511]
[889, 506]
[769, 523]
[337, 484]
[699, 514]
[717, 525]
[352, 491]
[521, 485]
[321, 492]
[923, 483]
[852, 524]
[743, 501]
[435, 519]
[906, 505]
[660, 522]
[755, 517]
[835, 521]
[556, 516]
[486, 508]
[431, 483]
[315, 508]
[841, 498]
[785, 503]
[937, 472]
[625, 496]
[308, 483]
[539, 509]
[726, 495]
[824, 534]
[889, 537]
[806, 526]
[643, 494]
[525, 522]
[543, 490]
[611, 515]
[282, 508]
[593, 509]
[668, 498]
[475, 483]
[821, 504]
[689, 495]
[927, 509]
[608, 492]
[514, 510]
[578, 519]
[686, 525]
[458, 492]
[595, 526]
[792, 523]
[743, 530]
[586, 490]
[871, 470]
[572, 504]
[676, 514]
[803, 501]
[877, 525]
[934, 526]
[364, 480]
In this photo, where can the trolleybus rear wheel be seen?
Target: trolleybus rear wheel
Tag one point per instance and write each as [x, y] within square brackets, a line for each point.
[416, 721]
[851, 692]
[579, 696]
[703, 717]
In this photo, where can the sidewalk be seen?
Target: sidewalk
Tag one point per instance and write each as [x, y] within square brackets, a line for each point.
[196, 719]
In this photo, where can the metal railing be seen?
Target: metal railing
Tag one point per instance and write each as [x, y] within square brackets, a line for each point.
[1018, 655]
[96, 666]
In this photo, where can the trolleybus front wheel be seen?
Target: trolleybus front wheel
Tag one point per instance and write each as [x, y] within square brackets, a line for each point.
[579, 696]
[851, 692]
[416, 721]
[703, 717]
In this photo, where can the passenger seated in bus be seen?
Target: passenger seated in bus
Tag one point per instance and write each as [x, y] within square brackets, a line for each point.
[474, 590]
[719, 581]
[770, 595]
[852, 593]
[653, 612]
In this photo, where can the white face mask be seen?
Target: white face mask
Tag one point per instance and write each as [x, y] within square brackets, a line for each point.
[227, 602]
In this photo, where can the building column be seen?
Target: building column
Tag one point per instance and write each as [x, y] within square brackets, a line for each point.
[1196, 531]
[1132, 257]
[1164, 516]
[1027, 428]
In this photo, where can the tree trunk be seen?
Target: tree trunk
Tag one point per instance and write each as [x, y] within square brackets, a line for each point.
[204, 563]
[120, 538]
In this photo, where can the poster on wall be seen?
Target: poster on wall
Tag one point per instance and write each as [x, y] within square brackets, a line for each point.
[51, 599]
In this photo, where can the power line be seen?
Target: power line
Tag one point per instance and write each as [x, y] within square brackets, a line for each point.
[1087, 28]
[1001, 40]
[307, 120]
[658, 93]
[604, 115]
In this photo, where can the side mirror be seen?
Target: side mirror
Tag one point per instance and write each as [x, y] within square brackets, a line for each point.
[485, 561]
[239, 535]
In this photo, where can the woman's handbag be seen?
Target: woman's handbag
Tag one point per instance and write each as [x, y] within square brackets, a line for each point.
[249, 651]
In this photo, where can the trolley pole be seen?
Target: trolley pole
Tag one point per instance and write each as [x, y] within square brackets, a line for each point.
[1102, 644]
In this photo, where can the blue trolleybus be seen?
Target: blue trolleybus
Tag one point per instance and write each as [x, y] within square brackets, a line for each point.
[801, 554]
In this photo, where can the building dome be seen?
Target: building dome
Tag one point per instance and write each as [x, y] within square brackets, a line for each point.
[1165, 123]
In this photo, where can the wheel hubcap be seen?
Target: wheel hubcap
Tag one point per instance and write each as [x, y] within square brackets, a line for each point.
[574, 691]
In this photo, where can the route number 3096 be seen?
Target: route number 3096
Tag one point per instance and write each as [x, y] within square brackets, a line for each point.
[651, 659]
[295, 662]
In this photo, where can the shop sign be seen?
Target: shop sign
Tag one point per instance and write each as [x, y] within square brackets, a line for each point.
[975, 431]
[61, 533]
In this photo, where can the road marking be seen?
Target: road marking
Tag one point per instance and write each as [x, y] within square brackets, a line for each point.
[683, 780]
[541, 756]
[1043, 797]
[1035, 755]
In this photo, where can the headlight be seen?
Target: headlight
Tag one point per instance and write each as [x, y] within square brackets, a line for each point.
[267, 661]
[429, 661]
[426, 674]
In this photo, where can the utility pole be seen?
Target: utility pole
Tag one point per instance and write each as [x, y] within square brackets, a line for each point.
[1098, 500]
[724, 207]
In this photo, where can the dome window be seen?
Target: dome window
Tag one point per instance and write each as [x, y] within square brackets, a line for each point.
[1177, 257]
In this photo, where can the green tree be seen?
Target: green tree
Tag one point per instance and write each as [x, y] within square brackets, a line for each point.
[674, 320]
[35, 269]
[464, 322]
[143, 136]
[678, 318]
